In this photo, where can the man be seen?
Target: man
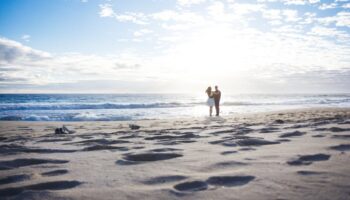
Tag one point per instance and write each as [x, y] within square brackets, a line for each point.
[217, 96]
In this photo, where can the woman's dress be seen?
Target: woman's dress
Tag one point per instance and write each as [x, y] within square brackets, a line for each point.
[210, 101]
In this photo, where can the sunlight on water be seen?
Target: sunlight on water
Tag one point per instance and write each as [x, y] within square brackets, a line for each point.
[106, 107]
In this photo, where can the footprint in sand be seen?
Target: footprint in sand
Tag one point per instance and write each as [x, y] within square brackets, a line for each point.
[338, 129]
[222, 181]
[14, 179]
[165, 150]
[188, 135]
[341, 136]
[255, 142]
[104, 147]
[56, 140]
[229, 181]
[14, 149]
[278, 121]
[228, 152]
[292, 134]
[341, 147]
[55, 172]
[164, 179]
[229, 164]
[13, 164]
[55, 185]
[191, 186]
[246, 141]
[269, 130]
[333, 129]
[98, 142]
[146, 157]
[309, 173]
[283, 140]
[309, 159]
[132, 136]
[246, 149]
[169, 142]
[18, 139]
[318, 136]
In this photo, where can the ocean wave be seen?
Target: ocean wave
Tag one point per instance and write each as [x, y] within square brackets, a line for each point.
[242, 103]
[288, 102]
[88, 106]
[73, 118]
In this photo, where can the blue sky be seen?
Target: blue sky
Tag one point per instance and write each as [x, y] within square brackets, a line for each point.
[174, 45]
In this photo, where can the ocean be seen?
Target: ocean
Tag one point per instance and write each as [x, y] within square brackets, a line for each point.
[120, 107]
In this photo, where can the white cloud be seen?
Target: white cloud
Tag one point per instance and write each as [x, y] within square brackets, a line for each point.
[347, 5]
[26, 37]
[308, 18]
[242, 51]
[216, 9]
[142, 32]
[246, 8]
[340, 19]
[264, 1]
[176, 27]
[288, 30]
[189, 2]
[137, 18]
[272, 14]
[343, 19]
[341, 36]
[295, 2]
[314, 1]
[177, 16]
[291, 15]
[32, 66]
[106, 10]
[12, 52]
[325, 6]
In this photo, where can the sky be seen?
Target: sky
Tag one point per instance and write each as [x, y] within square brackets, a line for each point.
[174, 46]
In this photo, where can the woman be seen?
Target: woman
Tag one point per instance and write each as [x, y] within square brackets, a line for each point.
[210, 100]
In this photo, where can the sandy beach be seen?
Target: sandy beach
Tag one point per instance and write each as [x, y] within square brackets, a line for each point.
[290, 154]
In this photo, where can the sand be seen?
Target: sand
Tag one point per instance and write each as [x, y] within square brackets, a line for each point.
[290, 154]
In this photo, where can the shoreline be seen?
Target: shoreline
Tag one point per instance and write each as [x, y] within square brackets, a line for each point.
[236, 115]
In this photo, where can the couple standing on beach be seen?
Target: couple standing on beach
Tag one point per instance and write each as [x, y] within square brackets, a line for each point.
[213, 99]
